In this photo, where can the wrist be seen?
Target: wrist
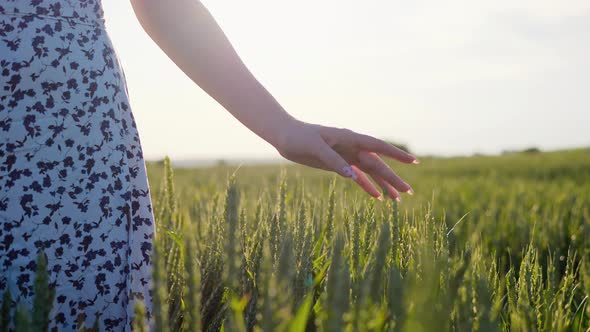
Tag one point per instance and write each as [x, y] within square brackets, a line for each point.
[282, 130]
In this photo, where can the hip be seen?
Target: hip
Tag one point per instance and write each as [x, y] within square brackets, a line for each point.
[55, 70]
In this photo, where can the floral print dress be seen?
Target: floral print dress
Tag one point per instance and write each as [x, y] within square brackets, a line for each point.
[72, 175]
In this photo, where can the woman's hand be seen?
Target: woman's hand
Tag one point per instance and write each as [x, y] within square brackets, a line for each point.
[347, 153]
[187, 32]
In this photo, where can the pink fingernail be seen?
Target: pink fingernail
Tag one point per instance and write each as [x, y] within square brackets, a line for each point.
[349, 172]
[398, 199]
[410, 191]
[380, 198]
[416, 161]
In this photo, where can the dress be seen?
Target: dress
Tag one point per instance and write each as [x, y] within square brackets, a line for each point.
[72, 174]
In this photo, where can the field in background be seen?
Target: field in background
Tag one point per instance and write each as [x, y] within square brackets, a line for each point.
[486, 243]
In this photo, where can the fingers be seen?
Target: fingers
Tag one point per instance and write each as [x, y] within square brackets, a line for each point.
[373, 144]
[348, 154]
[332, 160]
[372, 164]
[366, 184]
[387, 187]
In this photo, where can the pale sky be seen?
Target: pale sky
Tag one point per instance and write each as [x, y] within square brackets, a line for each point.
[445, 77]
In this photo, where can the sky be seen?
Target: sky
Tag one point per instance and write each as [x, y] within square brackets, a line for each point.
[444, 77]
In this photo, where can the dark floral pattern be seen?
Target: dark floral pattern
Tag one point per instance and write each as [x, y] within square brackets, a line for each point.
[72, 175]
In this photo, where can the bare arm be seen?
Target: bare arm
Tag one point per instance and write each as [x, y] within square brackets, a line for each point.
[190, 36]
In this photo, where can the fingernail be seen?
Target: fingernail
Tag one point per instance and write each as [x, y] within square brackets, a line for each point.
[380, 198]
[410, 191]
[349, 172]
[398, 199]
[416, 161]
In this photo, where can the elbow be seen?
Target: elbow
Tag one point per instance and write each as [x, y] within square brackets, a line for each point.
[143, 8]
[144, 11]
[138, 3]
[156, 10]
[155, 6]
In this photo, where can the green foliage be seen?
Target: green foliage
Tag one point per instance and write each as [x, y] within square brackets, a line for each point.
[44, 295]
[22, 320]
[139, 324]
[486, 244]
[26, 318]
[5, 310]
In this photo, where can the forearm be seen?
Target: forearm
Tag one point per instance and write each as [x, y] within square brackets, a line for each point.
[190, 36]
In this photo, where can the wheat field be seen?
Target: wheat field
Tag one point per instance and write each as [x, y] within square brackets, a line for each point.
[486, 244]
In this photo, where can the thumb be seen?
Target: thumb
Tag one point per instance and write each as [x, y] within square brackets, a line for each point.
[333, 161]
